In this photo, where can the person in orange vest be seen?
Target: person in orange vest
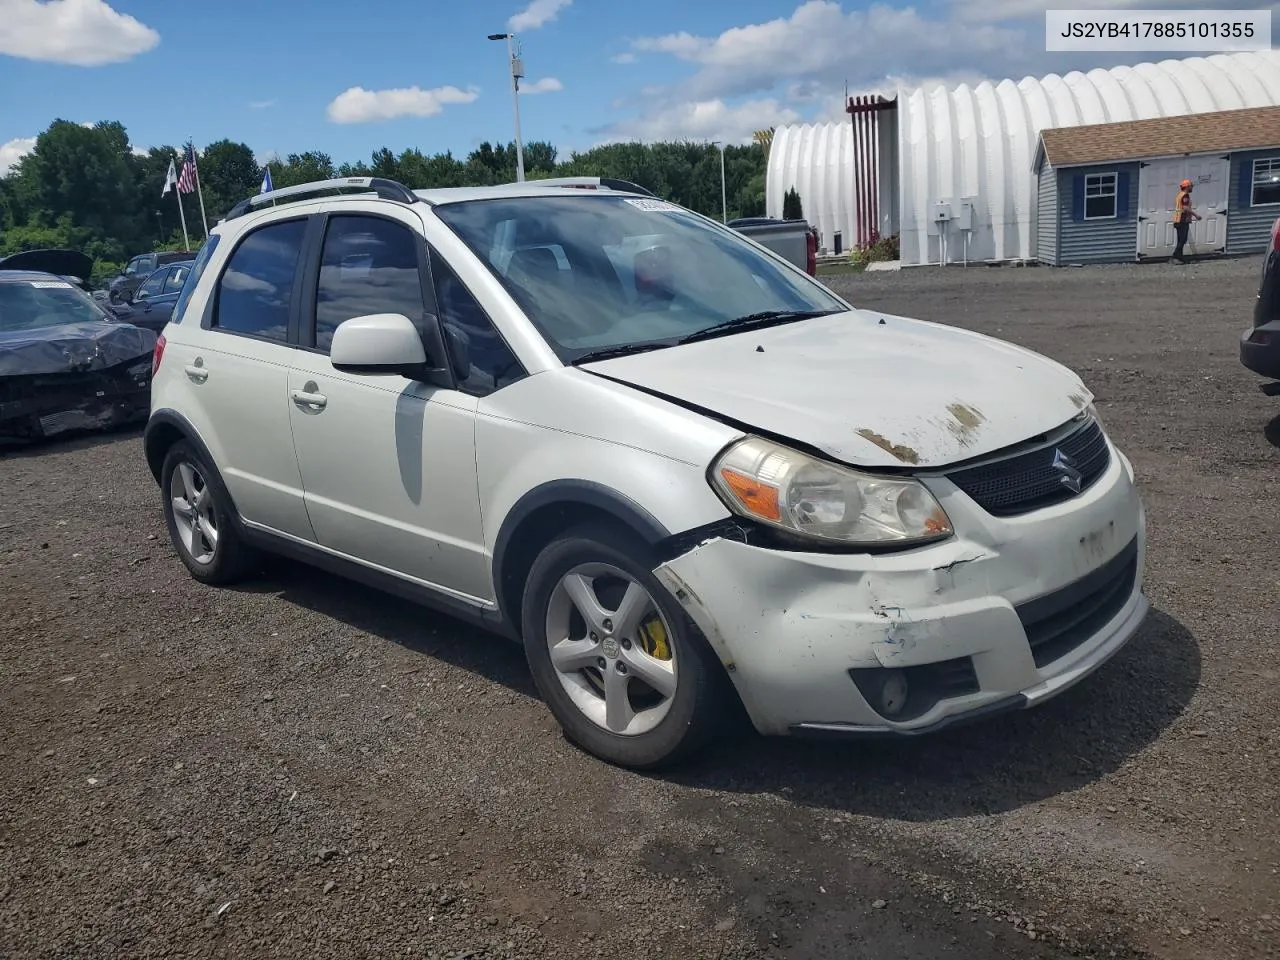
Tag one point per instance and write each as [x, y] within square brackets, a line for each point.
[1183, 214]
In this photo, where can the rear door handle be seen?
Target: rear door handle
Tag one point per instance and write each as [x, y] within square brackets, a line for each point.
[304, 399]
[197, 372]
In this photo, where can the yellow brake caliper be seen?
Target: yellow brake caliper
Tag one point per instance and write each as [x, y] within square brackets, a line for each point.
[653, 639]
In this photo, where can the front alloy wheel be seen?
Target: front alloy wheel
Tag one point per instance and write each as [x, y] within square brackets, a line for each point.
[609, 644]
[618, 662]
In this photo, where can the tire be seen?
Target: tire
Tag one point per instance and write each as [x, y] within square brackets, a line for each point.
[221, 559]
[615, 565]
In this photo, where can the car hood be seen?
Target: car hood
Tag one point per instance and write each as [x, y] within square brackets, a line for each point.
[72, 348]
[867, 389]
[62, 263]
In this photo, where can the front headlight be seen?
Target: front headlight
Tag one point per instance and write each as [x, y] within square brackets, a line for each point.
[823, 501]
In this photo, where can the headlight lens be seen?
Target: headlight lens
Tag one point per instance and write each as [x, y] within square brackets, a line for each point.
[804, 495]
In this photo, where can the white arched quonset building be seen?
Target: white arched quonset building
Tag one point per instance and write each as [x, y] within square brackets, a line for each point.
[951, 170]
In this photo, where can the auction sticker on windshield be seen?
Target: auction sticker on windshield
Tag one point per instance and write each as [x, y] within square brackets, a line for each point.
[51, 284]
[657, 206]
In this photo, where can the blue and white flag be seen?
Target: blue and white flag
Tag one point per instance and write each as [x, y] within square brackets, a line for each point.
[266, 181]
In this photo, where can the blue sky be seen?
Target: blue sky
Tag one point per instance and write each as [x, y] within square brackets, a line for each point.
[286, 76]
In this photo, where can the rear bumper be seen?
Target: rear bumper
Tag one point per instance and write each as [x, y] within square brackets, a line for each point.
[1260, 350]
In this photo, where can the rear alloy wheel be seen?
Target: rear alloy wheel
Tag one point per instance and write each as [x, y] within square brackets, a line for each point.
[620, 665]
[196, 511]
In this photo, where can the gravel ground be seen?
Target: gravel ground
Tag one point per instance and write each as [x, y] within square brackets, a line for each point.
[306, 768]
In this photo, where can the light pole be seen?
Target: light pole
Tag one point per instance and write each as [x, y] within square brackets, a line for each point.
[517, 71]
[724, 197]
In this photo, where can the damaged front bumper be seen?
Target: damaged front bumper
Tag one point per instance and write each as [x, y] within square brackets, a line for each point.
[46, 405]
[1006, 614]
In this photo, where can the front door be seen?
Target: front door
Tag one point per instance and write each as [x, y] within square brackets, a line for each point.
[1158, 186]
[388, 464]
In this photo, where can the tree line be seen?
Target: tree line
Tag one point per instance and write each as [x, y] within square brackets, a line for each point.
[85, 188]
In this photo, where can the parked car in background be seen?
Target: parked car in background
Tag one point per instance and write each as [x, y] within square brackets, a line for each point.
[701, 479]
[1260, 345]
[152, 303]
[70, 265]
[123, 285]
[65, 362]
[793, 240]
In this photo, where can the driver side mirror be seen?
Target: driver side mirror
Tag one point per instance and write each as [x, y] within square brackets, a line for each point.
[380, 343]
[140, 294]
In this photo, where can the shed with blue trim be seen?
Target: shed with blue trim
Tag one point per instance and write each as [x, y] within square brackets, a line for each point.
[1105, 192]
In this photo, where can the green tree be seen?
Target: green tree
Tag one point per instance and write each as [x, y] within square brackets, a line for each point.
[792, 209]
[228, 174]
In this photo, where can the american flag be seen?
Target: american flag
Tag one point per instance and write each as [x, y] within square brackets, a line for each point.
[187, 179]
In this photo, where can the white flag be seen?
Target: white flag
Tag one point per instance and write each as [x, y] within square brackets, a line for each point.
[170, 179]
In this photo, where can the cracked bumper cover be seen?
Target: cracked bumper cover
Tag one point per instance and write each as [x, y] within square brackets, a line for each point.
[789, 626]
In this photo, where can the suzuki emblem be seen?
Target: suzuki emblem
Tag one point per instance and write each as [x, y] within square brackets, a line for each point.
[1071, 477]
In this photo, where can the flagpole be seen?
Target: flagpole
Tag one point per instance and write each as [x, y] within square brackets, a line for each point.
[186, 240]
[171, 182]
[199, 190]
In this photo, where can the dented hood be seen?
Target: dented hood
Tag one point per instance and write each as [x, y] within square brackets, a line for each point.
[866, 388]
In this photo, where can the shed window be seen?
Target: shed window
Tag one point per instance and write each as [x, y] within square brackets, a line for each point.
[1100, 196]
[1266, 181]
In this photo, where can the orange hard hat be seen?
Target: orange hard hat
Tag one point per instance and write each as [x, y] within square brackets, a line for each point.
[1186, 184]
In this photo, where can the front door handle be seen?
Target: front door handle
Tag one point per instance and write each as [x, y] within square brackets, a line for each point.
[304, 399]
[197, 372]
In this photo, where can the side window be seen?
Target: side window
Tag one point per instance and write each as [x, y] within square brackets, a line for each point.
[369, 265]
[153, 285]
[134, 267]
[254, 291]
[197, 270]
[493, 365]
[177, 276]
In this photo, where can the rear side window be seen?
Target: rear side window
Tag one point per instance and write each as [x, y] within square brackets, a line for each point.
[193, 277]
[369, 265]
[153, 284]
[177, 276]
[255, 290]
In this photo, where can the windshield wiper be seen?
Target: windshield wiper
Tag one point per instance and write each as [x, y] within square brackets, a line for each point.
[753, 321]
[625, 350]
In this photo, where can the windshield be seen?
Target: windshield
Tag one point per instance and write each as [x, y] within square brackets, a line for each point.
[32, 304]
[599, 272]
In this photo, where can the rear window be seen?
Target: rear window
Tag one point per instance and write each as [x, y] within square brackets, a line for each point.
[33, 304]
[193, 277]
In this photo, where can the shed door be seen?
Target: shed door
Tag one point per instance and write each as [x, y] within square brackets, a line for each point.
[1158, 188]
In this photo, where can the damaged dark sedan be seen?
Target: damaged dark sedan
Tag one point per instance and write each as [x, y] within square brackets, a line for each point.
[66, 364]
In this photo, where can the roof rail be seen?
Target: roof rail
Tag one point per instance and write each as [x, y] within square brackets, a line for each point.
[591, 183]
[384, 188]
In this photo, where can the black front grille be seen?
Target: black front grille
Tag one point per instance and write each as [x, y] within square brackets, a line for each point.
[1060, 621]
[1040, 478]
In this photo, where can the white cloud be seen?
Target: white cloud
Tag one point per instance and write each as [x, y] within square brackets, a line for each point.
[537, 14]
[704, 121]
[13, 151]
[624, 58]
[84, 33]
[996, 11]
[261, 104]
[358, 105]
[820, 42]
[139, 151]
[545, 85]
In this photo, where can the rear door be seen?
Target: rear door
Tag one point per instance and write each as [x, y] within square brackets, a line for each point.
[233, 374]
[388, 463]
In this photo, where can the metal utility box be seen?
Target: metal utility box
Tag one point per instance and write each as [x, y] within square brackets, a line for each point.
[968, 215]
